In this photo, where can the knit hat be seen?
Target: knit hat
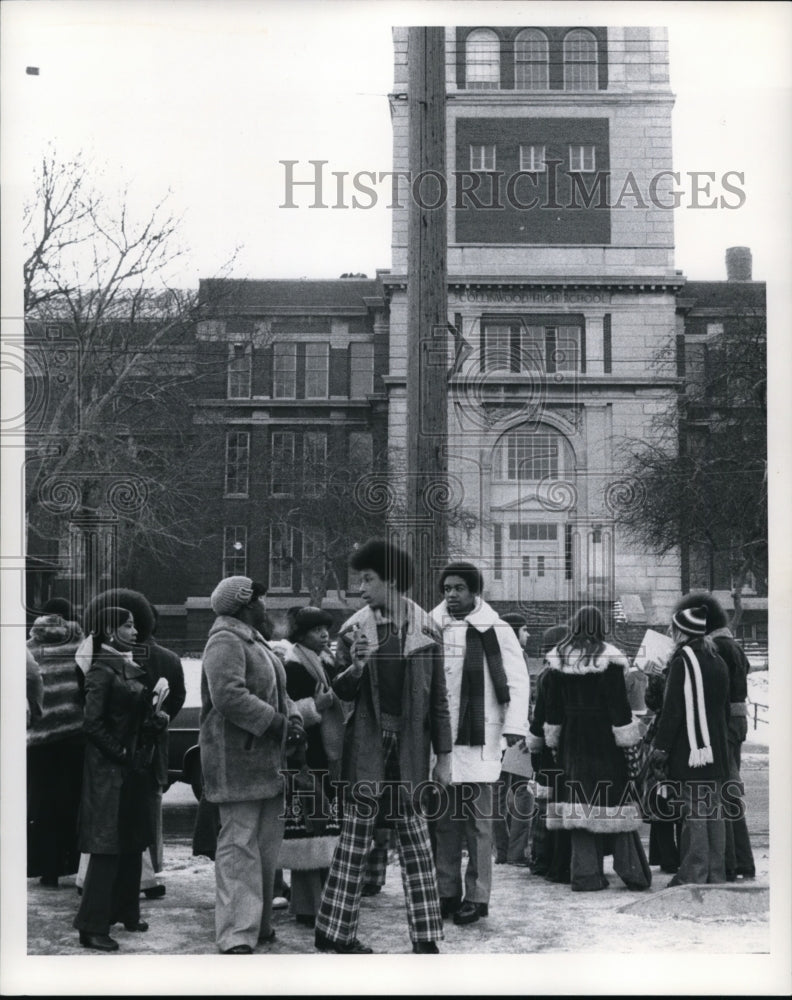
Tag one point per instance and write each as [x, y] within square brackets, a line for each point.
[307, 618]
[691, 621]
[467, 572]
[231, 594]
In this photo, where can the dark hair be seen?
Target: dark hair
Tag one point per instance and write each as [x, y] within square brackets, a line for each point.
[387, 560]
[259, 590]
[467, 572]
[307, 618]
[552, 637]
[106, 621]
[516, 620]
[137, 604]
[58, 606]
[716, 616]
[586, 632]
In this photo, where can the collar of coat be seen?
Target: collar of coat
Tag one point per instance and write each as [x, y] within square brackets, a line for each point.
[421, 630]
[227, 623]
[482, 617]
[120, 661]
[573, 661]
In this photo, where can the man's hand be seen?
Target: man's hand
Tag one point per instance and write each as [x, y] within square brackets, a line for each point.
[360, 651]
[442, 769]
[512, 739]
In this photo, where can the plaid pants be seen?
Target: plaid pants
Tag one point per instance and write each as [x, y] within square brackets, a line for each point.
[340, 907]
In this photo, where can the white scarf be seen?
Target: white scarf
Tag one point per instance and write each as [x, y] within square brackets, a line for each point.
[695, 711]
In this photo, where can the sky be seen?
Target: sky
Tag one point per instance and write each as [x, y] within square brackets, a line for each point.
[205, 98]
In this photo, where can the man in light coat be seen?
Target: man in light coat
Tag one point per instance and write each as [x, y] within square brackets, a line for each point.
[247, 723]
[488, 691]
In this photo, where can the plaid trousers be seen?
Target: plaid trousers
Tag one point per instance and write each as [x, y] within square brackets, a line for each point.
[340, 906]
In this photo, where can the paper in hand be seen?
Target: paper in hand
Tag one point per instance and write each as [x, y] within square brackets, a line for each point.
[656, 649]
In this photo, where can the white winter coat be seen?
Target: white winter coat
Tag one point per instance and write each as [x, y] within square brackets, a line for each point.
[483, 763]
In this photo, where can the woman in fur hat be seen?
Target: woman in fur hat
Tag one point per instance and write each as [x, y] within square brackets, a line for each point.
[309, 841]
[589, 725]
[691, 743]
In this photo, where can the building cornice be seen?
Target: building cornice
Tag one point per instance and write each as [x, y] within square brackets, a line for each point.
[631, 283]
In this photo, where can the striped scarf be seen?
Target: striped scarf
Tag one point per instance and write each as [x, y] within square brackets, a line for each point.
[695, 712]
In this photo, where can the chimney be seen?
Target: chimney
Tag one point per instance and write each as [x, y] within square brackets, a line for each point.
[738, 264]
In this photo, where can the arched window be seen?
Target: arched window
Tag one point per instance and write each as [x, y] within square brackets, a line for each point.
[529, 454]
[482, 60]
[531, 58]
[580, 60]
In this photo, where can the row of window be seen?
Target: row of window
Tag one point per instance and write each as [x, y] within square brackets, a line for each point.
[517, 347]
[532, 60]
[309, 380]
[296, 456]
[531, 564]
[284, 557]
[533, 159]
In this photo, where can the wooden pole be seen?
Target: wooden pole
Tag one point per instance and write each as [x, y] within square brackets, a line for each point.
[427, 313]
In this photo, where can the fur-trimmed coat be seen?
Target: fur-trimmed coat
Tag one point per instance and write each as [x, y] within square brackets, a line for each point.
[426, 720]
[588, 723]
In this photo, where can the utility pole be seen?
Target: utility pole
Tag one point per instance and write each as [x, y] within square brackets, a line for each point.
[427, 313]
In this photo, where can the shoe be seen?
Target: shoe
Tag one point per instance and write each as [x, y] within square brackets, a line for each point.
[49, 882]
[425, 948]
[469, 912]
[239, 949]
[353, 948]
[155, 892]
[306, 920]
[636, 886]
[141, 925]
[371, 889]
[267, 938]
[100, 942]
[449, 905]
[280, 903]
[500, 860]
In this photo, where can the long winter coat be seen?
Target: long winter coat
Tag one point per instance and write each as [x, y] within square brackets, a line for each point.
[738, 666]
[671, 734]
[113, 813]
[589, 723]
[425, 718]
[243, 685]
[158, 662]
[483, 763]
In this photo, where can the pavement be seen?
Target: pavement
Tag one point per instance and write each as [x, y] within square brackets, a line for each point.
[527, 914]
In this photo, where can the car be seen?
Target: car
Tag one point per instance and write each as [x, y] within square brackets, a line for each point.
[184, 756]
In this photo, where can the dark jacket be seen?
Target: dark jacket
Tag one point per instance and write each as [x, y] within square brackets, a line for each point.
[425, 717]
[544, 766]
[589, 722]
[733, 655]
[158, 662]
[113, 813]
[671, 734]
[243, 686]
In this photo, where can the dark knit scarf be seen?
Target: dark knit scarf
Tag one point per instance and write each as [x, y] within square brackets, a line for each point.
[471, 696]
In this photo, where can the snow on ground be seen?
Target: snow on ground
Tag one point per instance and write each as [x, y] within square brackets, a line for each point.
[759, 707]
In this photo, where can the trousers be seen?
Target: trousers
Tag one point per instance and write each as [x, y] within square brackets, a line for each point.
[467, 821]
[702, 839]
[111, 893]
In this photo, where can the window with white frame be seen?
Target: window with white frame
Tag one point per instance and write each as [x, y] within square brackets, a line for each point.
[517, 347]
[314, 462]
[580, 60]
[316, 370]
[235, 550]
[582, 159]
[281, 558]
[482, 60]
[237, 466]
[527, 457]
[361, 369]
[531, 60]
[533, 531]
[497, 551]
[239, 371]
[312, 558]
[284, 371]
[282, 461]
[482, 157]
[532, 159]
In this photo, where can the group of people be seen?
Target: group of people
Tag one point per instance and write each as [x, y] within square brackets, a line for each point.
[422, 731]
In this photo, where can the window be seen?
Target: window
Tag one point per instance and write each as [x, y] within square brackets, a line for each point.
[361, 370]
[284, 371]
[532, 158]
[498, 348]
[534, 532]
[531, 60]
[281, 559]
[568, 551]
[312, 560]
[239, 367]
[540, 565]
[497, 552]
[714, 330]
[482, 157]
[526, 565]
[235, 550]
[580, 61]
[314, 462]
[582, 159]
[607, 344]
[482, 60]
[523, 457]
[282, 461]
[517, 347]
[237, 463]
[316, 370]
[361, 452]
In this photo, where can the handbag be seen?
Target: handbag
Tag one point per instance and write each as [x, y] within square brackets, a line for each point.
[307, 803]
